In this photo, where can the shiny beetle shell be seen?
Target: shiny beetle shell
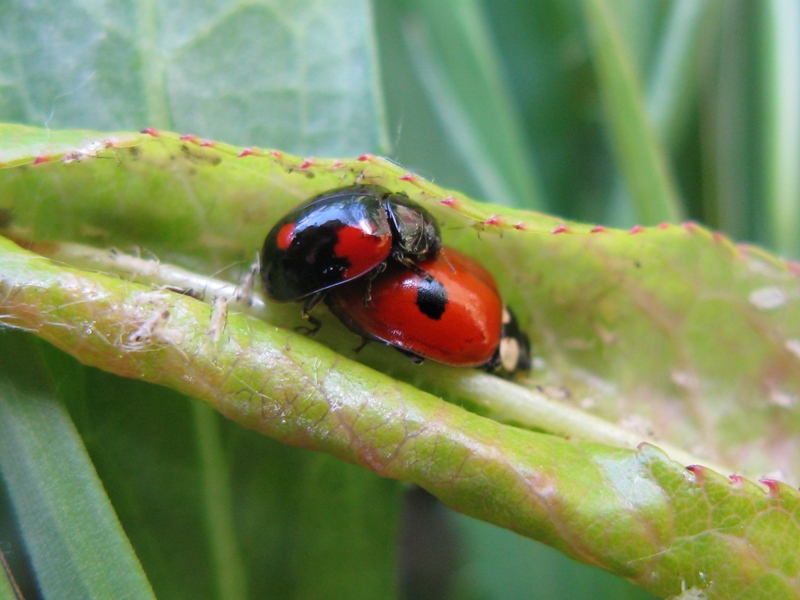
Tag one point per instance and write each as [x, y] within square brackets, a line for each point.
[455, 317]
[342, 235]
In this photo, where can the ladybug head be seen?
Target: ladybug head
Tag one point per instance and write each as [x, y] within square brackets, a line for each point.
[415, 231]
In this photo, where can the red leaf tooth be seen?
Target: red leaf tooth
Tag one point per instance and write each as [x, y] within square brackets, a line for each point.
[450, 201]
[636, 229]
[597, 229]
[699, 473]
[151, 131]
[560, 229]
[772, 485]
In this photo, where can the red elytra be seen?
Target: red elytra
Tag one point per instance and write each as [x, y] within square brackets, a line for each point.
[455, 317]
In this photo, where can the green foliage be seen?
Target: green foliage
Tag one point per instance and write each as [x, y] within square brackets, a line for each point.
[665, 334]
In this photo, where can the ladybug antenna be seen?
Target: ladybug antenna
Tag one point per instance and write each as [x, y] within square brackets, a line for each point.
[451, 227]
[449, 263]
[420, 271]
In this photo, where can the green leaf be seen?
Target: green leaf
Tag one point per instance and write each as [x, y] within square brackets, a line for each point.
[655, 296]
[616, 335]
[247, 72]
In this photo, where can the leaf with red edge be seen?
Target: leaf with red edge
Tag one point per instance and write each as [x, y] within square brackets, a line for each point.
[671, 334]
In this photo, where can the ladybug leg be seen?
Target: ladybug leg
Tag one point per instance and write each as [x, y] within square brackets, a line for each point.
[375, 272]
[312, 301]
[368, 292]
[313, 321]
[362, 345]
[415, 358]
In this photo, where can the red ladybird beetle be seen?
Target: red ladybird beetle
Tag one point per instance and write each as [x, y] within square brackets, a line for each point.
[455, 317]
[341, 235]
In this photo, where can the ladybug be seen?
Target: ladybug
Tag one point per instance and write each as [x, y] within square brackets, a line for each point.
[342, 235]
[455, 317]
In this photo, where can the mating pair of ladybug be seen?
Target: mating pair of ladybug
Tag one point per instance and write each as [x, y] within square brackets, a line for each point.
[376, 259]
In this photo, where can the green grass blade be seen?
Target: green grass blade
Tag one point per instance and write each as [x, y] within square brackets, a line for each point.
[228, 563]
[458, 64]
[674, 81]
[9, 590]
[75, 541]
[640, 153]
[730, 122]
[781, 63]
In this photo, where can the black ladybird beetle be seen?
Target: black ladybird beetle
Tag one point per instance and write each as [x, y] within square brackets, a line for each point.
[342, 235]
[456, 317]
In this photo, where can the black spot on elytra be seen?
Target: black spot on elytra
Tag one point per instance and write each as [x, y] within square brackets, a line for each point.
[431, 299]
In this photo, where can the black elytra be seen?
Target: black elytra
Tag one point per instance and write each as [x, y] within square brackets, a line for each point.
[317, 267]
[341, 235]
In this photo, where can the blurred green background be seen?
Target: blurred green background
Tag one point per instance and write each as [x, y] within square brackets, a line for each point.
[618, 112]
